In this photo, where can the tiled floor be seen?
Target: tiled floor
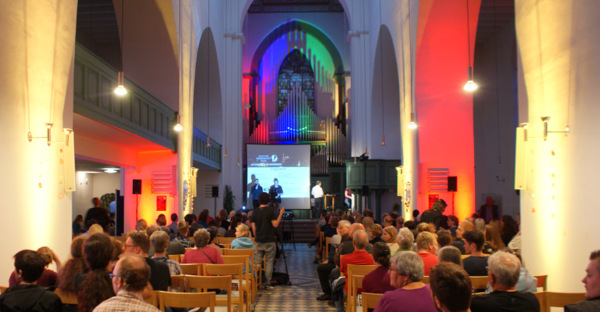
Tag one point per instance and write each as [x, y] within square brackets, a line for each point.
[301, 295]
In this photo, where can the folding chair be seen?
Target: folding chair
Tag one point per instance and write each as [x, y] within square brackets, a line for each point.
[186, 300]
[204, 283]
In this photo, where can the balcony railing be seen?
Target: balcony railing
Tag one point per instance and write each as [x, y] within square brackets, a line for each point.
[210, 156]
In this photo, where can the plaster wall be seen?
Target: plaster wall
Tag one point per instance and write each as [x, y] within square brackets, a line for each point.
[558, 43]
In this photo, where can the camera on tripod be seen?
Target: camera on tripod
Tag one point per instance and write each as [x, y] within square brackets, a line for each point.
[288, 215]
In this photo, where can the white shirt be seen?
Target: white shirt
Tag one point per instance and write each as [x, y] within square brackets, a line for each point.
[317, 191]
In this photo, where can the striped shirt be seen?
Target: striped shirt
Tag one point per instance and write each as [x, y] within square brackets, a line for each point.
[125, 301]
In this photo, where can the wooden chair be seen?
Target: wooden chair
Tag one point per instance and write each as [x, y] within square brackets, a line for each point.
[178, 283]
[235, 271]
[176, 258]
[2, 289]
[153, 300]
[225, 240]
[355, 269]
[541, 297]
[246, 281]
[66, 297]
[542, 281]
[204, 283]
[479, 282]
[255, 271]
[560, 299]
[191, 268]
[353, 293]
[327, 244]
[426, 279]
[186, 300]
[369, 301]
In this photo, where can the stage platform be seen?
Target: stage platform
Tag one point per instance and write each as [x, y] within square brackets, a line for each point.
[303, 230]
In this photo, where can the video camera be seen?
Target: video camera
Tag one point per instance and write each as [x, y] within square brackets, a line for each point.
[288, 215]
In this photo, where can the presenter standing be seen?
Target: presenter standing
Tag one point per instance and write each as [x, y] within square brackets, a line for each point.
[256, 190]
[317, 193]
[276, 190]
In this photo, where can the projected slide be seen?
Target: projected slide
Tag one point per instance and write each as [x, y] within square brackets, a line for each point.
[289, 164]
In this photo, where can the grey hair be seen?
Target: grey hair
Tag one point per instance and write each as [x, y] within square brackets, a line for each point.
[449, 254]
[344, 223]
[159, 241]
[201, 238]
[408, 263]
[405, 239]
[505, 267]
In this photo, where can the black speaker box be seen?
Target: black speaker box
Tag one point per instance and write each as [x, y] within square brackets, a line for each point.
[215, 191]
[136, 187]
[452, 187]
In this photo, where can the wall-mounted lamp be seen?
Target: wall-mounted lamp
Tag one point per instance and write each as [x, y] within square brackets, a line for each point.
[178, 127]
[120, 90]
[413, 124]
[546, 119]
[48, 136]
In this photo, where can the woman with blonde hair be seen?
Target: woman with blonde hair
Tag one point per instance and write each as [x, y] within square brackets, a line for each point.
[493, 240]
[389, 237]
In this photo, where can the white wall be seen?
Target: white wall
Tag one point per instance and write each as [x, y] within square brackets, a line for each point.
[558, 43]
[106, 183]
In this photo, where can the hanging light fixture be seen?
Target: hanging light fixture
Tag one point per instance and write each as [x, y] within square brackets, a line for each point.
[412, 125]
[120, 90]
[178, 127]
[470, 85]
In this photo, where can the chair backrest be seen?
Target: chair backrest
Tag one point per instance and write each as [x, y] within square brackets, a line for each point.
[178, 282]
[353, 292]
[223, 269]
[479, 282]
[542, 281]
[191, 268]
[241, 259]
[560, 299]
[327, 243]
[66, 297]
[186, 300]
[541, 297]
[153, 300]
[225, 240]
[176, 258]
[2, 289]
[357, 269]
[370, 300]
[204, 283]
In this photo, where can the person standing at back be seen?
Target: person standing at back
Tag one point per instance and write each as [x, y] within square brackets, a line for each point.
[263, 224]
[317, 193]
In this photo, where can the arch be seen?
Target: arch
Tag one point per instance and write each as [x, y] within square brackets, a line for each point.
[208, 105]
[295, 68]
[298, 25]
[385, 99]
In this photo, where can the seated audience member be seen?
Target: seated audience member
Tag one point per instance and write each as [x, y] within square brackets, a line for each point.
[452, 225]
[223, 216]
[161, 220]
[367, 222]
[360, 240]
[526, 282]
[174, 247]
[173, 225]
[213, 238]
[412, 226]
[324, 269]
[434, 215]
[141, 225]
[493, 241]
[504, 269]
[591, 280]
[75, 265]
[48, 277]
[476, 264]
[426, 249]
[235, 221]
[130, 277]
[450, 287]
[138, 244]
[77, 225]
[378, 280]
[182, 236]
[449, 254]
[508, 228]
[28, 296]
[459, 243]
[389, 237]
[95, 285]
[203, 218]
[243, 240]
[444, 238]
[399, 223]
[203, 253]
[405, 239]
[159, 241]
[479, 225]
[375, 232]
[94, 229]
[387, 221]
[411, 294]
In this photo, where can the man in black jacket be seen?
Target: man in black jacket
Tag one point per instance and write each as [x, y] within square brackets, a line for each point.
[28, 296]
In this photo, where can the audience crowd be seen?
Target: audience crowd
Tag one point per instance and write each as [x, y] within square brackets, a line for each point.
[424, 264]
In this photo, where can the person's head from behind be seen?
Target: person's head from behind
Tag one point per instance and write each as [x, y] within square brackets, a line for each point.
[464, 227]
[375, 231]
[95, 228]
[410, 224]
[439, 205]
[159, 241]
[212, 230]
[263, 198]
[130, 273]
[473, 241]
[201, 238]
[450, 287]
[242, 230]
[405, 239]
[151, 229]
[387, 221]
[591, 280]
[415, 213]
[174, 217]
[449, 254]
[360, 239]
[406, 267]
[319, 183]
[503, 270]
[96, 201]
[427, 241]
[444, 238]
[452, 221]
[141, 225]
[77, 246]
[183, 228]
[424, 227]
[161, 220]
[29, 265]
[47, 254]
[381, 254]
[138, 243]
[98, 251]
